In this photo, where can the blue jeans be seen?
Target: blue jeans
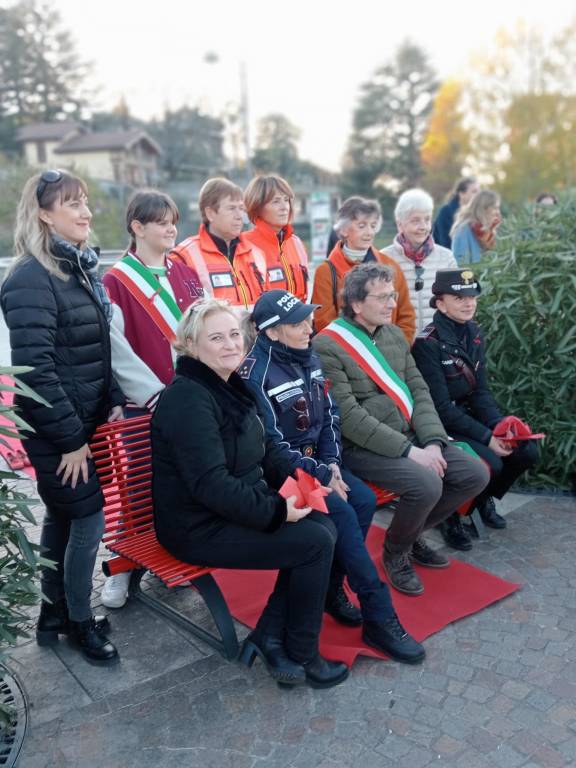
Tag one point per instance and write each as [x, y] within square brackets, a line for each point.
[352, 519]
[73, 545]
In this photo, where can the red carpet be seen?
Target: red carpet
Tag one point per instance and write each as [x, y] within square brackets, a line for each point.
[12, 444]
[450, 594]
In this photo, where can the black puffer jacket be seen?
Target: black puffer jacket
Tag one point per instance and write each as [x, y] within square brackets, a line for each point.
[212, 465]
[59, 328]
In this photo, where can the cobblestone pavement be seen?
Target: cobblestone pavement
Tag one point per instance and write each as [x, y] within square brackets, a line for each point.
[498, 689]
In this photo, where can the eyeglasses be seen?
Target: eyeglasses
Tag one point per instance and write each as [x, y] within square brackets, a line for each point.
[303, 417]
[385, 298]
[419, 284]
[48, 177]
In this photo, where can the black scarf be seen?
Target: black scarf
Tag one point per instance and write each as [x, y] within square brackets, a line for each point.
[87, 261]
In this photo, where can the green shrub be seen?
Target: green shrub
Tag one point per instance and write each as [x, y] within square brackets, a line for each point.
[528, 313]
[20, 559]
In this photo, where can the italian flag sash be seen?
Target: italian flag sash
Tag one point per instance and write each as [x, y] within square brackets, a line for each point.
[155, 300]
[361, 349]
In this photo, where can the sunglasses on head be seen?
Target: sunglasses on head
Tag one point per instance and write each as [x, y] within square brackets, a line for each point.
[48, 177]
[419, 284]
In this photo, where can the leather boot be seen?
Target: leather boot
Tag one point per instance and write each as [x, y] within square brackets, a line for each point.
[94, 645]
[455, 534]
[321, 673]
[53, 621]
[271, 650]
[428, 557]
[400, 572]
[339, 607]
[391, 638]
[489, 516]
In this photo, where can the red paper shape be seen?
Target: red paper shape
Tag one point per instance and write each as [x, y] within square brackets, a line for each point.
[308, 491]
[512, 430]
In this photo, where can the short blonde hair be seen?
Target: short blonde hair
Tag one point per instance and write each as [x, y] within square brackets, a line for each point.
[261, 190]
[213, 192]
[192, 321]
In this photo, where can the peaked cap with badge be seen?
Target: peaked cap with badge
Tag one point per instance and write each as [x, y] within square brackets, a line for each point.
[456, 282]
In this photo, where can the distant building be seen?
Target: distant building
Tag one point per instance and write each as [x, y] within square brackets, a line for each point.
[128, 157]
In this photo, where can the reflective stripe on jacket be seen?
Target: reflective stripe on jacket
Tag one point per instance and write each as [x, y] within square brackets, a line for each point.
[286, 260]
[240, 281]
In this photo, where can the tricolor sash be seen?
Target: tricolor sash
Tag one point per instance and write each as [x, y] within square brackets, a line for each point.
[154, 299]
[359, 346]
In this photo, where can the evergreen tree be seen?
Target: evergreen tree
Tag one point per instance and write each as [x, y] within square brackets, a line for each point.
[389, 125]
[40, 71]
[276, 146]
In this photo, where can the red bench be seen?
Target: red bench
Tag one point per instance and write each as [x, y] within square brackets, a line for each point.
[122, 454]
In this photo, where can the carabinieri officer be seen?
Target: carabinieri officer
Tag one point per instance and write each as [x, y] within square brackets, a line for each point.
[450, 355]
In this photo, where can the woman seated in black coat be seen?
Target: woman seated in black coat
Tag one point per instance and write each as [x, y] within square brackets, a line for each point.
[215, 503]
[58, 314]
[450, 355]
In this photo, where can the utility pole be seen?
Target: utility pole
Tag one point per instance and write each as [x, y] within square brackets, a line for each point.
[244, 112]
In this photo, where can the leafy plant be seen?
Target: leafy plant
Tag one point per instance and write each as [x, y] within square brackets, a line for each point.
[528, 314]
[20, 559]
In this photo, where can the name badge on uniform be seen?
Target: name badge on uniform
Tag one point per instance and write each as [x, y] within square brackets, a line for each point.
[221, 280]
[289, 394]
[276, 275]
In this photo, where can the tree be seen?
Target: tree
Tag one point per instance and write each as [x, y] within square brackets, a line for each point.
[447, 143]
[40, 71]
[541, 145]
[192, 143]
[523, 96]
[389, 125]
[276, 146]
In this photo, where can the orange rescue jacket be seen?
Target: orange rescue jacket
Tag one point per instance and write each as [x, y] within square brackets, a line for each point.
[240, 282]
[286, 262]
[324, 291]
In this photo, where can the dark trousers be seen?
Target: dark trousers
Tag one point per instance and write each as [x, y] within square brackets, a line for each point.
[504, 471]
[73, 545]
[303, 553]
[352, 519]
[426, 499]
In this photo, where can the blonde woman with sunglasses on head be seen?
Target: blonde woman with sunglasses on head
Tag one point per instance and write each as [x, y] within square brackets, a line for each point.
[58, 314]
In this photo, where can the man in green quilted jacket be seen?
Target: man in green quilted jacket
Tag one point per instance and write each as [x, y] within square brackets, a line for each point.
[392, 435]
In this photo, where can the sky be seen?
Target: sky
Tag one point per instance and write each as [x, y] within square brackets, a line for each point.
[303, 58]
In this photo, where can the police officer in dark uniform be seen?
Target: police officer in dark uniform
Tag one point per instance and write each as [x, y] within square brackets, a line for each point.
[285, 375]
[450, 355]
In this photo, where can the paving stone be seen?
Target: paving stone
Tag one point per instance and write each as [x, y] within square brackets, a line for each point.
[498, 689]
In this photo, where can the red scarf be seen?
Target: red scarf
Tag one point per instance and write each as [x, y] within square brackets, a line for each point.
[417, 255]
[486, 236]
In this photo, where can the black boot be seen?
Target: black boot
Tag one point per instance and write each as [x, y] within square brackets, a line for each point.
[321, 673]
[95, 646]
[391, 638]
[426, 556]
[53, 621]
[455, 534]
[271, 650]
[489, 516]
[340, 608]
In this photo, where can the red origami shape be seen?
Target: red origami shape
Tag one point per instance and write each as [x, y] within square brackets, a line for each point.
[513, 430]
[308, 491]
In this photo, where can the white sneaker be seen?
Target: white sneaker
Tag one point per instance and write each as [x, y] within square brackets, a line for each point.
[115, 591]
